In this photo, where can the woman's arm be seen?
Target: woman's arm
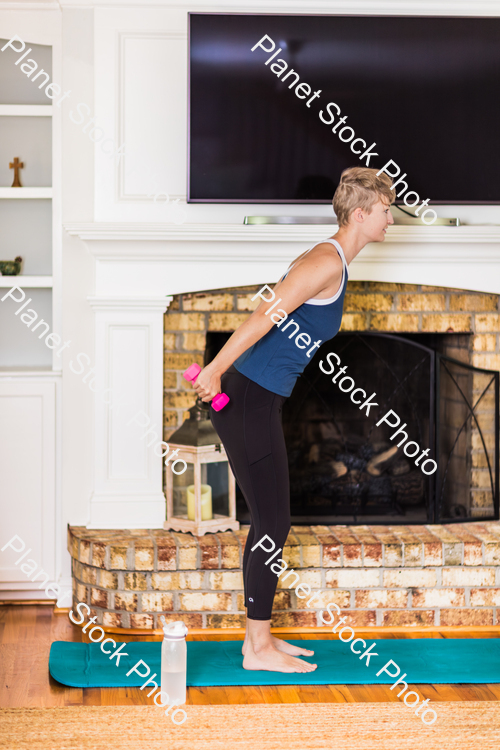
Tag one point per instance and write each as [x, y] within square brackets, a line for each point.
[304, 281]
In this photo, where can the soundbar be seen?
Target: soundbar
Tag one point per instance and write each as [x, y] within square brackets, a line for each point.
[398, 220]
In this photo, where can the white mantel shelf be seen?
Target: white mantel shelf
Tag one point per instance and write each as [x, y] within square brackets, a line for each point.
[159, 259]
[274, 233]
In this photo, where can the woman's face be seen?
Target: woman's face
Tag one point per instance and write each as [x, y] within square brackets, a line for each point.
[377, 221]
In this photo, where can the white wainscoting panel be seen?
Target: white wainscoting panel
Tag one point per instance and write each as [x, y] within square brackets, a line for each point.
[27, 477]
[128, 402]
[152, 115]
[141, 103]
[128, 348]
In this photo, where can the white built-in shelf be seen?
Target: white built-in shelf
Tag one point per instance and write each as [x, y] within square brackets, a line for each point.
[26, 282]
[25, 192]
[26, 110]
[24, 370]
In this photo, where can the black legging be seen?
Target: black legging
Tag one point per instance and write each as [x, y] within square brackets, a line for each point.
[251, 432]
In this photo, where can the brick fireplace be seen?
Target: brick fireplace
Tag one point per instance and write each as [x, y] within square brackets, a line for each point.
[467, 324]
[379, 575]
[152, 315]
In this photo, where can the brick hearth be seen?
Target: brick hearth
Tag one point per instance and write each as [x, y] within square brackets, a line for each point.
[380, 575]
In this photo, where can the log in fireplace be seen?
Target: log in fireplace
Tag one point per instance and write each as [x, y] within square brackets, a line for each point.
[345, 469]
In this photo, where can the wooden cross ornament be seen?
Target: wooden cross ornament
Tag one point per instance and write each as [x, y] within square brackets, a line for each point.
[16, 165]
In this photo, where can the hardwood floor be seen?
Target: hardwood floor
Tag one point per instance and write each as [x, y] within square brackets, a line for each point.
[26, 633]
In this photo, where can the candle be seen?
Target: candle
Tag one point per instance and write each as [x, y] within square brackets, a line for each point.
[206, 502]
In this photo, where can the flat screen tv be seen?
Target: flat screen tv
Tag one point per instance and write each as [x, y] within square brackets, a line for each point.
[424, 90]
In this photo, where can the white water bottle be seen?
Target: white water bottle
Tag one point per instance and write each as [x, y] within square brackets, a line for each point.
[174, 661]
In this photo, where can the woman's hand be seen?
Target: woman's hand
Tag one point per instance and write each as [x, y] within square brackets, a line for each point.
[207, 384]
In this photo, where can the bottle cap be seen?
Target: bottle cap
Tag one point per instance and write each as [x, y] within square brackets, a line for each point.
[174, 630]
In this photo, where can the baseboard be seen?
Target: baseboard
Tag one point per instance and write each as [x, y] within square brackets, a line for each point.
[423, 630]
[370, 632]
[365, 631]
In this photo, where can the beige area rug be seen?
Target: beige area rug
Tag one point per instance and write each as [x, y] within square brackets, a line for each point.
[314, 726]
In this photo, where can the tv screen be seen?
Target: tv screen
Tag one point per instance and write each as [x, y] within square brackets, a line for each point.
[423, 90]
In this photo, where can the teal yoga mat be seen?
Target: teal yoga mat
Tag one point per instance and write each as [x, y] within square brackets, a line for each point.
[210, 663]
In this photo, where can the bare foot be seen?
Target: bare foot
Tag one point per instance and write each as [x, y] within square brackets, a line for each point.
[272, 660]
[286, 648]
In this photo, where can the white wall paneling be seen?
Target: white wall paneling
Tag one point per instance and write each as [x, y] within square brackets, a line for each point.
[129, 374]
[27, 471]
[151, 107]
[140, 101]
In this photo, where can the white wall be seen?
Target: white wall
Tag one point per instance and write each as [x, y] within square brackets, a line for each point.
[78, 272]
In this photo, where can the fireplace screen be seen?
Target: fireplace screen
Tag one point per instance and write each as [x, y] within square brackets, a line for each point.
[344, 468]
[468, 431]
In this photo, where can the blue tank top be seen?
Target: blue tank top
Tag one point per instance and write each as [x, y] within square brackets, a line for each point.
[275, 361]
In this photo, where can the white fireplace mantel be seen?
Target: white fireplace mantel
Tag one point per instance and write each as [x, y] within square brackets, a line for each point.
[157, 259]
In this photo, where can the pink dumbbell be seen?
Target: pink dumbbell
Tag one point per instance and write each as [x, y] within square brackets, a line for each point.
[220, 401]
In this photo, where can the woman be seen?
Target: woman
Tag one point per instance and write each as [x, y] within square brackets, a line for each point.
[258, 367]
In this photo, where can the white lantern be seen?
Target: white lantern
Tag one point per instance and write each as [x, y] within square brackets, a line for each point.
[202, 499]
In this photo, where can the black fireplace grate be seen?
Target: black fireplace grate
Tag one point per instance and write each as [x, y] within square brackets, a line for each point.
[346, 469]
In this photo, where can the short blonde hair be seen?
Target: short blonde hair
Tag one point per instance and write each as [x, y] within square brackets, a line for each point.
[360, 187]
